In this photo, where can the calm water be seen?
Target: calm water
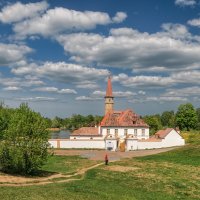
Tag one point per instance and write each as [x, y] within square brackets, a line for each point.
[63, 134]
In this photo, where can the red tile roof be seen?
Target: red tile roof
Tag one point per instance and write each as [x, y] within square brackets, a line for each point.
[109, 88]
[125, 118]
[86, 131]
[163, 133]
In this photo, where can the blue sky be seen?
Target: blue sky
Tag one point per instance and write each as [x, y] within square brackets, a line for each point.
[57, 55]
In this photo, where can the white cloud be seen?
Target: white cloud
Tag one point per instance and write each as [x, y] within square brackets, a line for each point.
[46, 89]
[60, 20]
[147, 81]
[185, 2]
[171, 49]
[67, 91]
[86, 85]
[12, 88]
[159, 99]
[142, 92]
[175, 78]
[18, 11]
[36, 99]
[99, 93]
[87, 98]
[64, 72]
[184, 92]
[119, 17]
[11, 53]
[194, 22]
[54, 89]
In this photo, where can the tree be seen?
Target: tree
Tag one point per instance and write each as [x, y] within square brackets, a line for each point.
[154, 123]
[198, 117]
[23, 148]
[168, 119]
[186, 117]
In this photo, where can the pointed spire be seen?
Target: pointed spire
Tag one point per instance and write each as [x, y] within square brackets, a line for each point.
[109, 88]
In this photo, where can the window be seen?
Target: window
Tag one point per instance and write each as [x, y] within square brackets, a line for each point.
[91, 138]
[116, 131]
[125, 132]
[135, 132]
[143, 132]
[108, 131]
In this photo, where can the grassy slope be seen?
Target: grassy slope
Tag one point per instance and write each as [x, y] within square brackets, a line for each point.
[166, 176]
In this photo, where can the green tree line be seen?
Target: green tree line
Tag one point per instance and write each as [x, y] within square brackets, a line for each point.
[186, 118]
[74, 122]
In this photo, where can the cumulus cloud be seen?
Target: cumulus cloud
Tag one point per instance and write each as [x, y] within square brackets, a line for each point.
[64, 72]
[12, 88]
[115, 93]
[87, 85]
[87, 98]
[18, 11]
[11, 53]
[185, 2]
[16, 82]
[60, 20]
[175, 78]
[184, 92]
[54, 89]
[194, 22]
[119, 17]
[159, 99]
[171, 49]
[147, 81]
[36, 99]
[67, 91]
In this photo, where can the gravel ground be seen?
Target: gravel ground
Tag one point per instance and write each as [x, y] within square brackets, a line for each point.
[100, 154]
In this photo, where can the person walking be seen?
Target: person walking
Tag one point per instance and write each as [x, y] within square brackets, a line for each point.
[106, 159]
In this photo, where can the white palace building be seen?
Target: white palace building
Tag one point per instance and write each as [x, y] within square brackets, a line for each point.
[119, 131]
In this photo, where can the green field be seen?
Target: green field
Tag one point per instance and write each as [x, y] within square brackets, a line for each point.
[165, 176]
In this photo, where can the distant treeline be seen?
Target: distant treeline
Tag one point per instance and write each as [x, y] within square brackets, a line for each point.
[186, 118]
[74, 122]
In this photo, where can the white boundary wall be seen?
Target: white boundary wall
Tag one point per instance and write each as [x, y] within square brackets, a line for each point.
[70, 144]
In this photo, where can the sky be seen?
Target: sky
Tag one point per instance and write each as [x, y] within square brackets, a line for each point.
[57, 55]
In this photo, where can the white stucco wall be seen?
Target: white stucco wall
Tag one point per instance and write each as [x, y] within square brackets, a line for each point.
[131, 145]
[70, 144]
[129, 131]
[111, 144]
[173, 139]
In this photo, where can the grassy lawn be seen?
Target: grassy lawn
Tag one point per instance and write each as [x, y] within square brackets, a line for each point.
[167, 176]
[67, 164]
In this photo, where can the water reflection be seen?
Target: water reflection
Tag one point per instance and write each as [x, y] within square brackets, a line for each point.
[63, 134]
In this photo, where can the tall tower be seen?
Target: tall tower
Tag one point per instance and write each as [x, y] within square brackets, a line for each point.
[109, 99]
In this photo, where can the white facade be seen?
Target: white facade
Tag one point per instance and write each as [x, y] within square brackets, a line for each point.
[171, 139]
[122, 132]
[77, 137]
[112, 142]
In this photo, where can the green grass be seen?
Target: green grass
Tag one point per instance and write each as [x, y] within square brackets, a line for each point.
[67, 164]
[188, 155]
[167, 176]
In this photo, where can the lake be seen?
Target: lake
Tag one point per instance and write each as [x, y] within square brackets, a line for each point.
[63, 134]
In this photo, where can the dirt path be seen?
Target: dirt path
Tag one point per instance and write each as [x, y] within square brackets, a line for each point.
[113, 156]
[16, 181]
